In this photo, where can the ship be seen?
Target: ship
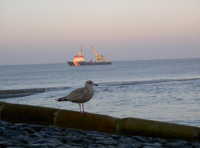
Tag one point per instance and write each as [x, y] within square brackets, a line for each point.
[79, 59]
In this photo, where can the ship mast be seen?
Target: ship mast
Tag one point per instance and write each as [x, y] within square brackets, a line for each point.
[81, 52]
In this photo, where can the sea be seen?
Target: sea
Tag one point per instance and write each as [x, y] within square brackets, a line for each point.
[164, 90]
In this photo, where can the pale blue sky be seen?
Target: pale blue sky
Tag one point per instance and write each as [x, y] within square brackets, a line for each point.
[49, 31]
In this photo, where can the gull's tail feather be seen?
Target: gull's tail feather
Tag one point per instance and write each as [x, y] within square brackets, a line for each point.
[62, 99]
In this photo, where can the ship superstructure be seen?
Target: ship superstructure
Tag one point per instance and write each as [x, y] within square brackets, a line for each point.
[78, 58]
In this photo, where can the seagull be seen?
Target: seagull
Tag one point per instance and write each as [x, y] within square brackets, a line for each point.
[80, 95]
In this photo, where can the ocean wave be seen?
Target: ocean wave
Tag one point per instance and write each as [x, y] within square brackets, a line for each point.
[121, 83]
[27, 92]
[14, 93]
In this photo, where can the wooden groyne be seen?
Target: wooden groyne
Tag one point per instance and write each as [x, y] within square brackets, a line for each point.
[94, 122]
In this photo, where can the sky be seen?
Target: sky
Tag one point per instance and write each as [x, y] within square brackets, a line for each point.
[49, 31]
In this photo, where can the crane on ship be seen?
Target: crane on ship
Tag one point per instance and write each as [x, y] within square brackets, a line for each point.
[98, 57]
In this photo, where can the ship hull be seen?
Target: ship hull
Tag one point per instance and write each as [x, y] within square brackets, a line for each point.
[89, 63]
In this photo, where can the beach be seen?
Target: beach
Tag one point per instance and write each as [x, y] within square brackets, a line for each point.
[21, 135]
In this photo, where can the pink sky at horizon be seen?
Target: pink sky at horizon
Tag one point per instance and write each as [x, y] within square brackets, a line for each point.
[109, 24]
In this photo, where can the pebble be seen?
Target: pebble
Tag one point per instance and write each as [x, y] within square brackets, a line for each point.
[20, 135]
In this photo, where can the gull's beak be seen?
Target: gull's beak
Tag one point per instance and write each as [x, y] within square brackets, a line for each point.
[96, 84]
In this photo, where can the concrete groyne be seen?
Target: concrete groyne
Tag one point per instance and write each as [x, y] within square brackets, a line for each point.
[94, 122]
[13, 93]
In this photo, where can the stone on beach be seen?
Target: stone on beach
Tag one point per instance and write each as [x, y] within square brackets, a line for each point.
[18, 135]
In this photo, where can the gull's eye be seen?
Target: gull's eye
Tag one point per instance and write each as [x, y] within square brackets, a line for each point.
[90, 82]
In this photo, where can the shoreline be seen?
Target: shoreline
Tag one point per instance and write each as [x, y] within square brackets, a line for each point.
[17, 113]
[43, 136]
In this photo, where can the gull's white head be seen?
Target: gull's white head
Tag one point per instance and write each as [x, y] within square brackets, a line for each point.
[90, 83]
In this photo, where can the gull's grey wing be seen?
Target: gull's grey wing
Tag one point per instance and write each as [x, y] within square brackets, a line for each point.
[76, 95]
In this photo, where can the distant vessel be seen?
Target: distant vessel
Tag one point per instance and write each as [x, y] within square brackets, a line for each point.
[79, 59]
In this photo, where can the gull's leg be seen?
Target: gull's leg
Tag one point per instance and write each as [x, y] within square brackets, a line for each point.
[83, 107]
[79, 106]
